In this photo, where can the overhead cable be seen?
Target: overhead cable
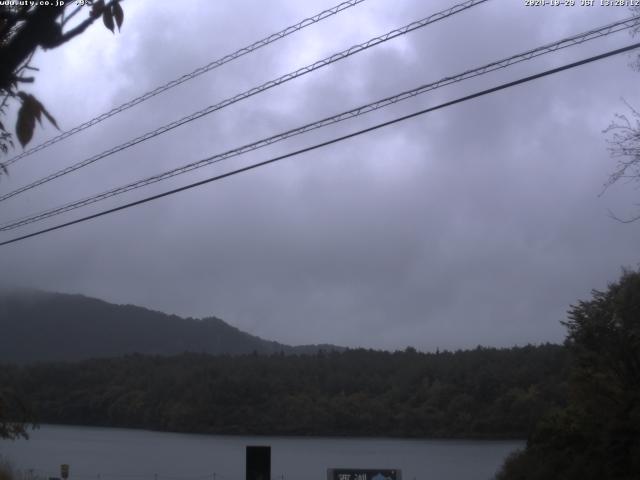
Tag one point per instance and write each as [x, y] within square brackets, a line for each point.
[249, 93]
[328, 142]
[355, 112]
[189, 76]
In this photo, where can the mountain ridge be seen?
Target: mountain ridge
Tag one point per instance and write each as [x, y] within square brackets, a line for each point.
[41, 326]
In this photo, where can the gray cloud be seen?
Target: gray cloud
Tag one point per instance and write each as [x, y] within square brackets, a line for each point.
[477, 224]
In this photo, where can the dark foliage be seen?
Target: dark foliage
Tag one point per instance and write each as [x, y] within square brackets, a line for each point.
[597, 436]
[26, 27]
[15, 416]
[482, 393]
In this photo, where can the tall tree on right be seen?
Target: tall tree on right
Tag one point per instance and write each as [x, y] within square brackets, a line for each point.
[598, 435]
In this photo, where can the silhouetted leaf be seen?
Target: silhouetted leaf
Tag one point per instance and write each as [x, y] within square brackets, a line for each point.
[49, 116]
[107, 19]
[118, 14]
[39, 109]
[34, 107]
[96, 8]
[30, 111]
[4, 169]
[25, 124]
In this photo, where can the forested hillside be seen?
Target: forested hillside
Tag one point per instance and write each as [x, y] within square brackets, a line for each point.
[42, 326]
[476, 393]
[597, 435]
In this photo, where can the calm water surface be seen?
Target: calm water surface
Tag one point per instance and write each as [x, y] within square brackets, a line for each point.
[119, 454]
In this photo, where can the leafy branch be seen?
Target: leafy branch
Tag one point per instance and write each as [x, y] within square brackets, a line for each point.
[24, 29]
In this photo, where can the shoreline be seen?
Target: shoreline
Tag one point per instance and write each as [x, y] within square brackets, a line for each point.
[496, 438]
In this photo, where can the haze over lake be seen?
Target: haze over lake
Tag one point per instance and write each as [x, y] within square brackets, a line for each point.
[120, 454]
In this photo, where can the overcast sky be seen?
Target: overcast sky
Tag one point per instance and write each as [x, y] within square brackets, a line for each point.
[476, 224]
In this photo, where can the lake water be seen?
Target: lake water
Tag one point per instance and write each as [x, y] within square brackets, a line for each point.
[120, 454]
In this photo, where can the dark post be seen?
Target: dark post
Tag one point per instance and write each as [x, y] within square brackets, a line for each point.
[258, 463]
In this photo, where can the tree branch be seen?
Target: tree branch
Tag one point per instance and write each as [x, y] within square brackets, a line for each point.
[38, 29]
[622, 220]
[70, 16]
[65, 37]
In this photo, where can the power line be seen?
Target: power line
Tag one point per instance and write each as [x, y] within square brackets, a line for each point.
[329, 142]
[361, 110]
[265, 86]
[189, 76]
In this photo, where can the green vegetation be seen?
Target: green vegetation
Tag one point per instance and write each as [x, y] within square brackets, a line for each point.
[9, 472]
[14, 414]
[578, 404]
[597, 435]
[481, 393]
[26, 27]
[75, 327]
[6, 471]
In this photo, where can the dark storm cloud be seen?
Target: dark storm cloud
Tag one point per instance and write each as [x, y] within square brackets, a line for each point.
[477, 224]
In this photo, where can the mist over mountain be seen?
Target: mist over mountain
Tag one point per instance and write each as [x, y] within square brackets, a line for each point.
[38, 326]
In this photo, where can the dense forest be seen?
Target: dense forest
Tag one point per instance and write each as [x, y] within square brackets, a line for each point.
[483, 393]
[578, 404]
[597, 435]
[57, 326]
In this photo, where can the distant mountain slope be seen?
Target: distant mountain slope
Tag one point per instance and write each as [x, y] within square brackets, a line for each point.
[43, 326]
